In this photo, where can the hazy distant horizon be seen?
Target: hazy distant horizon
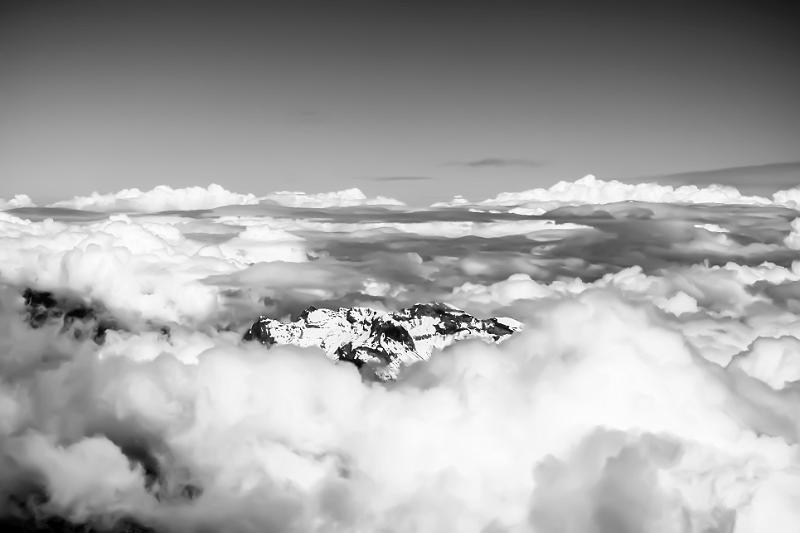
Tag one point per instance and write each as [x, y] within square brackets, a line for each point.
[755, 180]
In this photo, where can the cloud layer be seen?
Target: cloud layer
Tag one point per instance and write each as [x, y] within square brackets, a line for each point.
[591, 190]
[654, 387]
[165, 198]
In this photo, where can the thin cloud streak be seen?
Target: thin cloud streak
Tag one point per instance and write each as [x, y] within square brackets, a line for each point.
[396, 178]
[496, 162]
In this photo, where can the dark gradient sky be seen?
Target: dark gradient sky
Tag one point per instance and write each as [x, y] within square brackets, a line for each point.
[319, 96]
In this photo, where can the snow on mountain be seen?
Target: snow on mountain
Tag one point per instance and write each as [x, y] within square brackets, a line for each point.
[377, 341]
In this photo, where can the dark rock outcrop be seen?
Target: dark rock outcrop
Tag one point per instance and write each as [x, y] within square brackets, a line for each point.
[43, 307]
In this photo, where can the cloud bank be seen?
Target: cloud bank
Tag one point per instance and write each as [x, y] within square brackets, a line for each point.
[591, 190]
[654, 386]
[161, 198]
[165, 198]
[752, 178]
[586, 190]
[344, 198]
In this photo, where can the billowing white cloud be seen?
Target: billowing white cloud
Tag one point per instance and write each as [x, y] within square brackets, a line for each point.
[653, 388]
[591, 190]
[165, 198]
[788, 197]
[138, 268]
[599, 415]
[793, 239]
[19, 200]
[586, 190]
[344, 198]
[160, 198]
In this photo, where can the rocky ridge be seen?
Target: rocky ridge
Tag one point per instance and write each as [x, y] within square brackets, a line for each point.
[378, 342]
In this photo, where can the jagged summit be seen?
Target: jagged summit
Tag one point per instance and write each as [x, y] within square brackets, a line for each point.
[382, 342]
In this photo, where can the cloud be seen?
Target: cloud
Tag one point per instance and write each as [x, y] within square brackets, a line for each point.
[164, 198]
[654, 387]
[20, 200]
[398, 178]
[591, 190]
[480, 437]
[161, 198]
[499, 162]
[140, 269]
[793, 239]
[771, 360]
[344, 198]
[585, 191]
[789, 198]
[751, 179]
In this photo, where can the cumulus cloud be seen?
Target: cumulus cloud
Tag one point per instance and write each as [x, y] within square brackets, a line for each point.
[344, 198]
[19, 200]
[591, 190]
[160, 198]
[165, 198]
[788, 197]
[654, 386]
[576, 425]
[141, 269]
[587, 190]
[793, 239]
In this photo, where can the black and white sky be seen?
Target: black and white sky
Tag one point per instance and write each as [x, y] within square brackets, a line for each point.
[417, 101]
[653, 385]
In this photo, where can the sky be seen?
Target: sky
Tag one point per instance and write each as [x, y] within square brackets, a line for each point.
[403, 99]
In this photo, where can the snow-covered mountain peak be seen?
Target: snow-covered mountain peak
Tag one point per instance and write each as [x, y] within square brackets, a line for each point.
[379, 342]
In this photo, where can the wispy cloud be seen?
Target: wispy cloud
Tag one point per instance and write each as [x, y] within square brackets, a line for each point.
[396, 178]
[499, 162]
[761, 179]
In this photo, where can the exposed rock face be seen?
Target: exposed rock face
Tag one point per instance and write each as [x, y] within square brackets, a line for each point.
[83, 321]
[381, 342]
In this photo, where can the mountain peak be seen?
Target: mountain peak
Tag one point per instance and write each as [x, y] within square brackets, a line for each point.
[380, 343]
